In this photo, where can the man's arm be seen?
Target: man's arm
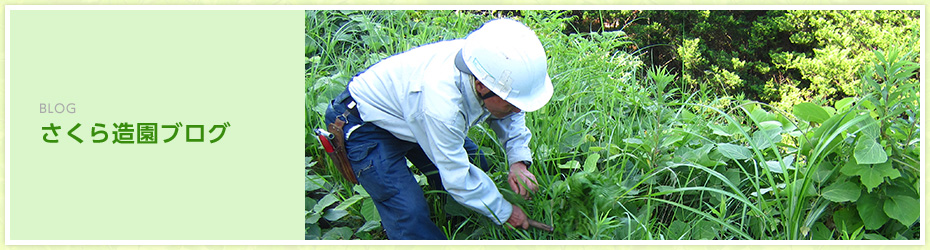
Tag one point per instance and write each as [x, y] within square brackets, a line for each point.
[513, 134]
[442, 139]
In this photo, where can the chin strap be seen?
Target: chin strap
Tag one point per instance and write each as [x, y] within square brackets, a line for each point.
[488, 95]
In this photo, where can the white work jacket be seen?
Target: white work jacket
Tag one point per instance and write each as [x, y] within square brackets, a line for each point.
[420, 96]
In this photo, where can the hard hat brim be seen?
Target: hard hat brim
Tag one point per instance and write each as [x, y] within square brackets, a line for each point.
[537, 100]
[460, 63]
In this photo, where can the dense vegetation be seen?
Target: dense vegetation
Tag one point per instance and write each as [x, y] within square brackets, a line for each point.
[668, 125]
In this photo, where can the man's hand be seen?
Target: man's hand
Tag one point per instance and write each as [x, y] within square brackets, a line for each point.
[518, 218]
[521, 180]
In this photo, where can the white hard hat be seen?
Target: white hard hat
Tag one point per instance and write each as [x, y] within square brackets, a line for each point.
[508, 58]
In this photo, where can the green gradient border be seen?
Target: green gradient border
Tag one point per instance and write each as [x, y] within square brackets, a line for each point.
[511, 2]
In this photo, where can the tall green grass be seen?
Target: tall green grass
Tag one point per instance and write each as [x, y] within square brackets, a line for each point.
[622, 153]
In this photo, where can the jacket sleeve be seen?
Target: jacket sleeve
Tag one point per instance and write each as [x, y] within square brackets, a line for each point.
[442, 140]
[512, 132]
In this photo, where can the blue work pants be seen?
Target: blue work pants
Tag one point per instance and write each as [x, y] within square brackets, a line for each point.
[378, 160]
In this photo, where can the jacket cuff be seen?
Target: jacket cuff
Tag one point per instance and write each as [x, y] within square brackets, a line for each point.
[503, 214]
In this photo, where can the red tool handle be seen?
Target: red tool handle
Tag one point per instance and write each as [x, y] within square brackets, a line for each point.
[326, 144]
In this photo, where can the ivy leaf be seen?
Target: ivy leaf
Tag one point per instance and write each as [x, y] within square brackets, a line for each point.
[869, 207]
[810, 112]
[735, 152]
[869, 152]
[850, 169]
[841, 191]
[871, 176]
[904, 209]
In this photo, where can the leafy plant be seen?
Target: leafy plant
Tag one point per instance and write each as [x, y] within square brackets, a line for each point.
[740, 136]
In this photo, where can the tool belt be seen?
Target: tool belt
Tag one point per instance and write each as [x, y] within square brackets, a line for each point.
[333, 140]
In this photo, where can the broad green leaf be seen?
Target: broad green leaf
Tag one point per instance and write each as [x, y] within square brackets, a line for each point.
[309, 203]
[320, 108]
[821, 232]
[313, 232]
[822, 134]
[830, 110]
[360, 190]
[705, 230]
[349, 202]
[733, 175]
[718, 130]
[797, 185]
[869, 152]
[369, 212]
[590, 164]
[823, 172]
[904, 209]
[775, 166]
[369, 225]
[735, 152]
[634, 141]
[769, 125]
[312, 217]
[846, 220]
[334, 214]
[764, 139]
[850, 168]
[874, 237]
[327, 200]
[810, 112]
[671, 139]
[870, 128]
[841, 191]
[759, 115]
[844, 104]
[314, 182]
[678, 230]
[870, 211]
[571, 165]
[339, 233]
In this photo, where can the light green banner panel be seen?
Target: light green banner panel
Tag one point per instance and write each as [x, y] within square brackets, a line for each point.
[155, 125]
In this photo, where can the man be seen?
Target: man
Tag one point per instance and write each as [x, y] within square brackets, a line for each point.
[420, 104]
